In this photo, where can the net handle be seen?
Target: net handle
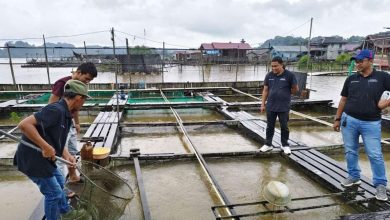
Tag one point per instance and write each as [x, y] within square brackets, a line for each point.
[32, 146]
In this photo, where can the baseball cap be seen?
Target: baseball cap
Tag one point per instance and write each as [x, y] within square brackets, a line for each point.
[363, 54]
[77, 87]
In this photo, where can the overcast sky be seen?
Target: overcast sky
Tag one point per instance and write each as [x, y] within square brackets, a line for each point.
[187, 23]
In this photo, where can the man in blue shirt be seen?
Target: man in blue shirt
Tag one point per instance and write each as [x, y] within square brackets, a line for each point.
[279, 85]
[359, 114]
[48, 129]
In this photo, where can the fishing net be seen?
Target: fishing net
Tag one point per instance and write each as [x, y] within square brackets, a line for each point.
[104, 194]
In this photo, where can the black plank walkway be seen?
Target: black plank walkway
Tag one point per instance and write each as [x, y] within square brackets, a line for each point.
[318, 166]
[103, 131]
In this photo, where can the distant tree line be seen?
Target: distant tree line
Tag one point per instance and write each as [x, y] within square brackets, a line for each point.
[297, 41]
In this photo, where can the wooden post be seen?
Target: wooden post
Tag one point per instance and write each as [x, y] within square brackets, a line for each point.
[383, 47]
[11, 66]
[308, 50]
[47, 62]
[116, 74]
[238, 59]
[85, 49]
[162, 63]
[128, 59]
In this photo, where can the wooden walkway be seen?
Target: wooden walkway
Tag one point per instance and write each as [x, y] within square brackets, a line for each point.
[103, 130]
[318, 166]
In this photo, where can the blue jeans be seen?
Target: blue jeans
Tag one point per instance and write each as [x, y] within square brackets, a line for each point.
[71, 144]
[284, 132]
[351, 129]
[55, 199]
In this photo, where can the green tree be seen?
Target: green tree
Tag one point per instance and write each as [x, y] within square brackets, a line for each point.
[302, 62]
[15, 117]
[141, 50]
[343, 58]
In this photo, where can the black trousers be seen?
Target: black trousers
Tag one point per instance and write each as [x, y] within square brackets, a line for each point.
[283, 120]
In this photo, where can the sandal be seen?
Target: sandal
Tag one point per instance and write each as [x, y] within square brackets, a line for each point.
[69, 193]
[81, 180]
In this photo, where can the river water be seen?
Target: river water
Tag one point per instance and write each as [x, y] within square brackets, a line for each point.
[323, 87]
[178, 189]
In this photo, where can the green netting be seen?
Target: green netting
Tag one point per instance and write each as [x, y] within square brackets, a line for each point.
[97, 101]
[155, 97]
[161, 100]
[43, 99]
[101, 94]
[105, 195]
[144, 94]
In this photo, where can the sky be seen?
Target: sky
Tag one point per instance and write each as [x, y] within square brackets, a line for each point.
[186, 23]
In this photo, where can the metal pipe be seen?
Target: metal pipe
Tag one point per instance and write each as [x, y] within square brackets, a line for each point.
[144, 201]
[220, 194]
[32, 146]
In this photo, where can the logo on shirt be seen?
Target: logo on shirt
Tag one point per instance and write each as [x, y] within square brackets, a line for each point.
[372, 80]
[355, 81]
[282, 79]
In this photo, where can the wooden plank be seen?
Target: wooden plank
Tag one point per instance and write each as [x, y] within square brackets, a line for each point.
[97, 119]
[325, 173]
[334, 165]
[111, 136]
[97, 130]
[105, 130]
[89, 131]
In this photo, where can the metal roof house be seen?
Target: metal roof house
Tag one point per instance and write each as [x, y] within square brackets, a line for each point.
[225, 52]
[327, 48]
[288, 53]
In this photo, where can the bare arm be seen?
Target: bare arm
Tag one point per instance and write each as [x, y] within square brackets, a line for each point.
[53, 98]
[27, 126]
[384, 103]
[294, 89]
[340, 109]
[76, 121]
[264, 98]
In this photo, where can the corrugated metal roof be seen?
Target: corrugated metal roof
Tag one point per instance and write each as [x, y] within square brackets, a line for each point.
[290, 48]
[225, 46]
[240, 46]
[207, 46]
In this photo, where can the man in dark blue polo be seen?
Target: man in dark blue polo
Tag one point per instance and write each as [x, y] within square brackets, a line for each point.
[279, 85]
[48, 129]
[359, 114]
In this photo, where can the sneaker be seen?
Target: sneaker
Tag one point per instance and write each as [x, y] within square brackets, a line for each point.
[286, 150]
[266, 148]
[74, 214]
[381, 193]
[350, 182]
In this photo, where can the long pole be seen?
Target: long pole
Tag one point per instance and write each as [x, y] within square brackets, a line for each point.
[308, 51]
[11, 66]
[47, 62]
[116, 73]
[238, 59]
[85, 49]
[128, 59]
[162, 63]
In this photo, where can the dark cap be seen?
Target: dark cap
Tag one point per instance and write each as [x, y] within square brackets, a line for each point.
[363, 54]
[77, 87]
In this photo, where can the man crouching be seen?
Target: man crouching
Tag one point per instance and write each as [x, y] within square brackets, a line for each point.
[48, 129]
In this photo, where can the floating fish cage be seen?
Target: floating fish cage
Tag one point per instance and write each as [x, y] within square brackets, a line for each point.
[190, 160]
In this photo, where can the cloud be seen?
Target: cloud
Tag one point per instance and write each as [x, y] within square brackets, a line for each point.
[186, 22]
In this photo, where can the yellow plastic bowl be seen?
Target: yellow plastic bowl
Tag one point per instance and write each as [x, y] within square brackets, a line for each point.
[100, 153]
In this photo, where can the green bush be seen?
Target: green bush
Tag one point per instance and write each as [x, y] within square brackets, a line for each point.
[302, 62]
[15, 117]
[343, 58]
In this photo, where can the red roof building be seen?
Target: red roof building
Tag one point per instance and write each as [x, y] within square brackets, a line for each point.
[225, 52]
